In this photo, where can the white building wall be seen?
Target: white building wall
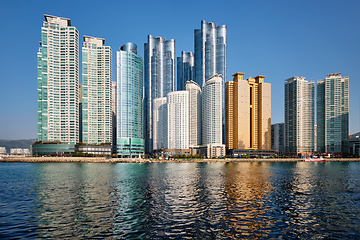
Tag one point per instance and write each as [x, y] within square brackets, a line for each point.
[194, 113]
[212, 112]
[178, 120]
[160, 123]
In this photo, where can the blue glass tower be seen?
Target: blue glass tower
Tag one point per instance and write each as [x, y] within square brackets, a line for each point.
[129, 71]
[210, 52]
[159, 76]
[185, 69]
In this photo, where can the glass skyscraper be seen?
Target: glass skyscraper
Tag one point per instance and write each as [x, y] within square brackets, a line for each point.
[159, 78]
[97, 91]
[333, 114]
[210, 51]
[129, 66]
[185, 69]
[58, 81]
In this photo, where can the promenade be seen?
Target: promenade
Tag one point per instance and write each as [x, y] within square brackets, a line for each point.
[141, 160]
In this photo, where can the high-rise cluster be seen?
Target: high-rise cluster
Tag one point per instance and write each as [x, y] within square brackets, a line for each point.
[194, 114]
[331, 133]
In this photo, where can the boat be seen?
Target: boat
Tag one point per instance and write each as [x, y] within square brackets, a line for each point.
[315, 159]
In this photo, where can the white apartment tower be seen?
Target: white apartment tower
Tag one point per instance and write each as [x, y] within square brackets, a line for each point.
[299, 116]
[194, 112]
[58, 81]
[160, 123]
[178, 120]
[212, 111]
[97, 91]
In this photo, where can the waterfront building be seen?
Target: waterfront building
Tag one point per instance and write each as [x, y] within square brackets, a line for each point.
[2, 150]
[129, 66]
[194, 113]
[299, 116]
[97, 91]
[278, 137]
[210, 52]
[97, 150]
[58, 81]
[114, 110]
[159, 79]
[212, 112]
[178, 120]
[80, 113]
[248, 113]
[160, 123]
[185, 69]
[52, 149]
[333, 114]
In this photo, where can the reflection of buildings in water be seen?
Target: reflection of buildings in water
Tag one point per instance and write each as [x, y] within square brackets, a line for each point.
[172, 198]
[247, 187]
[73, 199]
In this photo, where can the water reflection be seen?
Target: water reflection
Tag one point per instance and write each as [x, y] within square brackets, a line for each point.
[180, 200]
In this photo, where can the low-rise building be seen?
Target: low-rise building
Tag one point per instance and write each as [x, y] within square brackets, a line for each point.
[52, 149]
[98, 150]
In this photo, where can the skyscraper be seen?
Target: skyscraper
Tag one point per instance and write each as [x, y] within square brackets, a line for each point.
[159, 78]
[248, 113]
[178, 120]
[210, 52]
[212, 111]
[58, 81]
[333, 114]
[194, 113]
[277, 137]
[299, 116]
[129, 66]
[97, 91]
[185, 69]
[160, 123]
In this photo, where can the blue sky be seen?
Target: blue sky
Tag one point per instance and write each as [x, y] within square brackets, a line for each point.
[278, 39]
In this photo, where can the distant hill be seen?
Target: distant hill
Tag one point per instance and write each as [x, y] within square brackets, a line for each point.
[8, 144]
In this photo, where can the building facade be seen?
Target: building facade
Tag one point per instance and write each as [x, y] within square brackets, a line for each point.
[159, 80]
[129, 72]
[277, 138]
[195, 123]
[96, 91]
[185, 69]
[160, 123]
[210, 52]
[58, 81]
[299, 116]
[178, 120]
[212, 111]
[248, 113]
[333, 114]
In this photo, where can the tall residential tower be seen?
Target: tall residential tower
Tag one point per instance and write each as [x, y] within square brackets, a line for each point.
[97, 91]
[58, 81]
[210, 52]
[299, 116]
[185, 69]
[129, 72]
[333, 114]
[248, 113]
[159, 79]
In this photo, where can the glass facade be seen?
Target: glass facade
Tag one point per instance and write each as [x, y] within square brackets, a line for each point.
[129, 66]
[185, 69]
[333, 114]
[210, 51]
[97, 91]
[58, 81]
[159, 78]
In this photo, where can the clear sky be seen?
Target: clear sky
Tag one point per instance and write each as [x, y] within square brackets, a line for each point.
[278, 39]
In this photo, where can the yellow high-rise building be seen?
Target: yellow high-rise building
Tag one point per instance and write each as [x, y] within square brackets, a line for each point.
[247, 113]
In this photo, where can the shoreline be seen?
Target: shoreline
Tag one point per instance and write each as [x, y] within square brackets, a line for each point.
[140, 160]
